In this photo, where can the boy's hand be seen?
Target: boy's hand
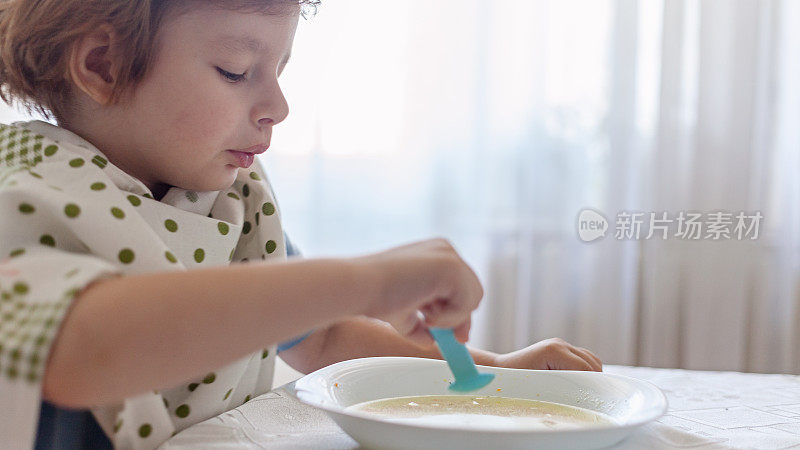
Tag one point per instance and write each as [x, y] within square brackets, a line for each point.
[553, 353]
[420, 285]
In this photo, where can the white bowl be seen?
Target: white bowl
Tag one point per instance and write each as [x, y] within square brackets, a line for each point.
[631, 403]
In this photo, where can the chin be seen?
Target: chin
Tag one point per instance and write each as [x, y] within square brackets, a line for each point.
[218, 186]
[210, 184]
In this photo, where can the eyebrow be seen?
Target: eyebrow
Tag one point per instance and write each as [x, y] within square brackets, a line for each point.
[240, 44]
[245, 44]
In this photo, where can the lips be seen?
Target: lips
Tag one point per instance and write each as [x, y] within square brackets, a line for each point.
[242, 159]
[256, 149]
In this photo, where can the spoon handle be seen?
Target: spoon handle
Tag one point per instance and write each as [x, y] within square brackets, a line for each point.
[456, 353]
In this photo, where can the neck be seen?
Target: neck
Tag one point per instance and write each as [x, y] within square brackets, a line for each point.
[117, 149]
[159, 191]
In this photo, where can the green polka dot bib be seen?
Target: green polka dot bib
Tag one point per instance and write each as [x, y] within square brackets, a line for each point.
[70, 217]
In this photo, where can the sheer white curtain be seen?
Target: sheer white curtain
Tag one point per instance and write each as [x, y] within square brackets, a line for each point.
[494, 123]
[727, 138]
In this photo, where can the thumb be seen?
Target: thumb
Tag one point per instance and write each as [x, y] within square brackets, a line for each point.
[462, 331]
[414, 329]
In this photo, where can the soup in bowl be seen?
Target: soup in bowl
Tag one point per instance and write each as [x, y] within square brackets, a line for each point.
[402, 402]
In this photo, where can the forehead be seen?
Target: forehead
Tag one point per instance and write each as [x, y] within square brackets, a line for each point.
[240, 43]
[233, 31]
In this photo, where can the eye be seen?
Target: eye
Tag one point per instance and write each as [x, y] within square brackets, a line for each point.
[232, 77]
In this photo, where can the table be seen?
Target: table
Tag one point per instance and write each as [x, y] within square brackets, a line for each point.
[707, 410]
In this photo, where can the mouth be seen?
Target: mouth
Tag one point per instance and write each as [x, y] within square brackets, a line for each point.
[244, 157]
[255, 150]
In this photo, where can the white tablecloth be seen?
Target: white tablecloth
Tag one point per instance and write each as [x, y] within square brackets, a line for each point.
[707, 410]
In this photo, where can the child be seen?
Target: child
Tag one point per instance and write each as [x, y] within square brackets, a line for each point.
[144, 272]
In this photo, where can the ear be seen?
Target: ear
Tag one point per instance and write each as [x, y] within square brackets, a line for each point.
[93, 66]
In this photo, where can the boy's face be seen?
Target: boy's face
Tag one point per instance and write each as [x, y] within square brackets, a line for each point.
[212, 88]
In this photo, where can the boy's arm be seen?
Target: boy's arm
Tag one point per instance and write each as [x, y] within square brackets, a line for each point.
[361, 337]
[123, 336]
[127, 335]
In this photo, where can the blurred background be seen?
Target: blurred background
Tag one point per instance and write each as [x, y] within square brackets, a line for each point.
[493, 123]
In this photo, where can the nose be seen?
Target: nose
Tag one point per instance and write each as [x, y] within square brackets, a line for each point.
[271, 107]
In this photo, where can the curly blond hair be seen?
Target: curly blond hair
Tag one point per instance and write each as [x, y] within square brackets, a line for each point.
[37, 37]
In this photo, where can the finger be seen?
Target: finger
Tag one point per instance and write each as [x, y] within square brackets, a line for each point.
[584, 354]
[418, 332]
[421, 336]
[566, 360]
[406, 324]
[433, 308]
[594, 357]
[470, 287]
[456, 300]
[471, 290]
[477, 288]
[462, 331]
[444, 313]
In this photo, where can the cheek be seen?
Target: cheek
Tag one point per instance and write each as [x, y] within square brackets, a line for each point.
[192, 117]
[201, 118]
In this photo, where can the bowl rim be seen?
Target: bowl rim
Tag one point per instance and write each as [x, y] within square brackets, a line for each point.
[330, 407]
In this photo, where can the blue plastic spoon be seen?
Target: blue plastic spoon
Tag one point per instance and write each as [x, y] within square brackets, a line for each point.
[460, 361]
